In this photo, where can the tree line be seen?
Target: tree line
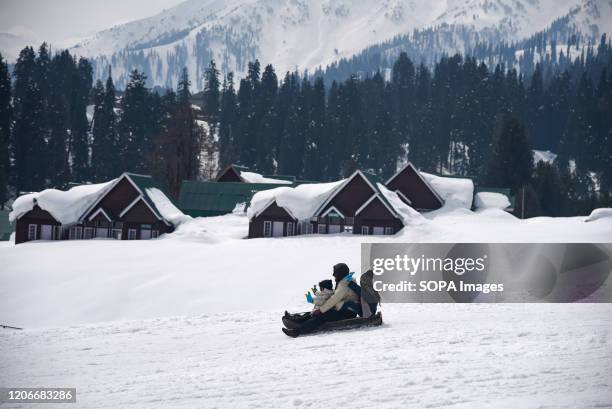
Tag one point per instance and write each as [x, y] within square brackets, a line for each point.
[460, 117]
[48, 140]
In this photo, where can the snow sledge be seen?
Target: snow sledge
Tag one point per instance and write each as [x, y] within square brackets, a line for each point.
[351, 323]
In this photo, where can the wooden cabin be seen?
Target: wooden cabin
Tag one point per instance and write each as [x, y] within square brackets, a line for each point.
[123, 209]
[273, 221]
[356, 206]
[414, 190]
[37, 224]
[231, 174]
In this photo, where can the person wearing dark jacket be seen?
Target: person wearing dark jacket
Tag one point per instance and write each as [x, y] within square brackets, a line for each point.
[332, 309]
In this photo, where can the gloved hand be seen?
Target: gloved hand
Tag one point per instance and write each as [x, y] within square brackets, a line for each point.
[314, 289]
[316, 312]
[309, 298]
[350, 275]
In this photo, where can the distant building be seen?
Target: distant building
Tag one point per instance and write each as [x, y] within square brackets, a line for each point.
[356, 205]
[234, 186]
[6, 227]
[361, 204]
[131, 207]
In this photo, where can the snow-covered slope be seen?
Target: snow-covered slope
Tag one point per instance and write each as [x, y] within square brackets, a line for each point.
[303, 34]
[424, 356]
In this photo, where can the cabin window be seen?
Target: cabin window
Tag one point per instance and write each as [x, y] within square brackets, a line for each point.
[321, 228]
[32, 231]
[117, 234]
[389, 231]
[88, 233]
[267, 228]
[132, 234]
[378, 231]
[154, 234]
[348, 229]
[365, 230]
[290, 229]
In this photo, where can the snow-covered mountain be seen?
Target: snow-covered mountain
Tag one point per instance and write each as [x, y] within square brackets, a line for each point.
[306, 34]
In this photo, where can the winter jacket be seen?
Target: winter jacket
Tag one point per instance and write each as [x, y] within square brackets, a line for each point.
[341, 294]
[322, 296]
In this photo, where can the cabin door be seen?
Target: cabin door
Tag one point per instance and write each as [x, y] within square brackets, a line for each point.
[277, 229]
[334, 229]
[46, 232]
[145, 234]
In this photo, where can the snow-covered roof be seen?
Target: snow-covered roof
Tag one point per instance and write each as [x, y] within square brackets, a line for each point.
[543, 156]
[252, 177]
[165, 207]
[456, 192]
[488, 200]
[65, 206]
[69, 207]
[301, 201]
[406, 213]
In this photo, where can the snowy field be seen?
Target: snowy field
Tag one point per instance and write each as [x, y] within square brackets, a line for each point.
[193, 320]
[425, 356]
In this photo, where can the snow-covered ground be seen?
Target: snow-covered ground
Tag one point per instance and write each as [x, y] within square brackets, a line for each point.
[430, 355]
[193, 320]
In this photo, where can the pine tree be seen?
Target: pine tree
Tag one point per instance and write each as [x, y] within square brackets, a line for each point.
[402, 81]
[269, 127]
[79, 138]
[511, 161]
[183, 92]
[228, 119]
[29, 132]
[6, 114]
[535, 98]
[57, 116]
[134, 124]
[211, 94]
[176, 153]
[548, 190]
[105, 161]
[317, 139]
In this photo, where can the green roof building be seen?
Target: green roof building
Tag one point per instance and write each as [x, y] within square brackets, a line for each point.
[6, 227]
[201, 199]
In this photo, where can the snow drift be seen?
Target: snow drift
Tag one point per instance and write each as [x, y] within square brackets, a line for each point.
[456, 192]
[252, 177]
[603, 213]
[488, 200]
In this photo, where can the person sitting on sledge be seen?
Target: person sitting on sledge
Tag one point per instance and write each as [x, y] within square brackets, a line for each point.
[326, 290]
[369, 296]
[340, 306]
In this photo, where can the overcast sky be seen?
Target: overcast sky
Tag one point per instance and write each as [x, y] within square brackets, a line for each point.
[64, 21]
